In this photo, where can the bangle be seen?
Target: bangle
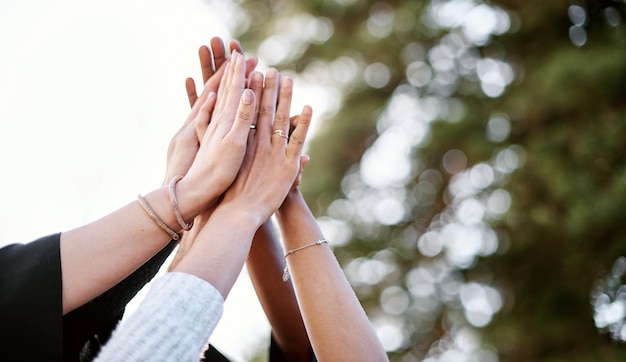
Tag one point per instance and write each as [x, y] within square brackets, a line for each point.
[157, 220]
[286, 271]
[174, 203]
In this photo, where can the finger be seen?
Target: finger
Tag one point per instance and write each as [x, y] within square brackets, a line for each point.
[204, 115]
[292, 123]
[190, 86]
[245, 114]
[296, 141]
[223, 86]
[206, 63]
[232, 86]
[267, 106]
[219, 52]
[304, 160]
[255, 83]
[235, 45]
[210, 87]
[283, 109]
[251, 64]
[213, 83]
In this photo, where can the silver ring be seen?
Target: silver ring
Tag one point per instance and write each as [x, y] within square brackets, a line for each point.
[280, 133]
[252, 126]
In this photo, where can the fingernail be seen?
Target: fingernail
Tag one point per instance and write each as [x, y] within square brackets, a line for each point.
[271, 73]
[257, 76]
[248, 96]
[287, 81]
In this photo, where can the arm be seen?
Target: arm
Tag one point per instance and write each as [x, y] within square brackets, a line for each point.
[327, 302]
[265, 265]
[177, 305]
[265, 259]
[88, 327]
[98, 255]
[221, 247]
[212, 60]
[269, 169]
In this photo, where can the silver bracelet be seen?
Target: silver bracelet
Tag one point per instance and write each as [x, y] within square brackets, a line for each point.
[286, 271]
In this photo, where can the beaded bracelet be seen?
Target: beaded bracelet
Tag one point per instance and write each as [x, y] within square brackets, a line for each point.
[174, 203]
[157, 220]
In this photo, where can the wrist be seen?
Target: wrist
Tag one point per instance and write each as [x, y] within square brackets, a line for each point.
[193, 199]
[246, 215]
[294, 197]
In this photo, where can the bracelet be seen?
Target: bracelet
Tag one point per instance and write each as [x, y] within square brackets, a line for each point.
[157, 220]
[286, 271]
[174, 203]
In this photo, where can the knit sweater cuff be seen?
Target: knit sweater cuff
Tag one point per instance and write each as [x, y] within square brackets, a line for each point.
[173, 322]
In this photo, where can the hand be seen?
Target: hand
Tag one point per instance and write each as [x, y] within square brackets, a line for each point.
[223, 145]
[211, 60]
[185, 143]
[183, 147]
[272, 162]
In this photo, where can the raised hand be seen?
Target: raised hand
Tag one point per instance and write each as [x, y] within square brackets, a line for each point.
[211, 60]
[185, 143]
[223, 145]
[272, 163]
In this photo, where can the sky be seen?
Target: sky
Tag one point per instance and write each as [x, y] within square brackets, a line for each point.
[91, 93]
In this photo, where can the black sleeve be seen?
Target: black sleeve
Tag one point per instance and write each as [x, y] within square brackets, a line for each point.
[31, 304]
[88, 328]
[276, 354]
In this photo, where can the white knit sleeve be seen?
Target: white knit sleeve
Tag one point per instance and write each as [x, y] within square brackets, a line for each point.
[173, 323]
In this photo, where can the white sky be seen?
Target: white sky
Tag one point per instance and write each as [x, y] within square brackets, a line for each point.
[90, 94]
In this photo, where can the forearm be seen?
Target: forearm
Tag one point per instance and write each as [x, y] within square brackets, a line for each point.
[96, 256]
[265, 265]
[336, 323]
[221, 248]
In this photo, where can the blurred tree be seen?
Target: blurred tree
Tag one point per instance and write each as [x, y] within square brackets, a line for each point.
[472, 175]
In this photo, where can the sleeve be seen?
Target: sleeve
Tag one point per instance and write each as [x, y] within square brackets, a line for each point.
[87, 328]
[31, 304]
[173, 322]
[276, 353]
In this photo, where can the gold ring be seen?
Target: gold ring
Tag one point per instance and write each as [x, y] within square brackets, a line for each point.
[280, 133]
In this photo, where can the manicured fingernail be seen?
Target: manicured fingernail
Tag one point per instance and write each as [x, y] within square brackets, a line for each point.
[248, 96]
[271, 73]
[286, 82]
[257, 77]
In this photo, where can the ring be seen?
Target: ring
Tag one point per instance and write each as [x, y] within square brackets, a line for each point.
[252, 126]
[280, 133]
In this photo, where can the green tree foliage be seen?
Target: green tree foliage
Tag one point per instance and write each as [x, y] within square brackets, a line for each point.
[473, 175]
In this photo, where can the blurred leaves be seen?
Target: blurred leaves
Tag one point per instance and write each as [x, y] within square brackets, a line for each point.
[473, 176]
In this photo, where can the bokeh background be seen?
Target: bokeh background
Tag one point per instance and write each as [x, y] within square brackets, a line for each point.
[468, 160]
